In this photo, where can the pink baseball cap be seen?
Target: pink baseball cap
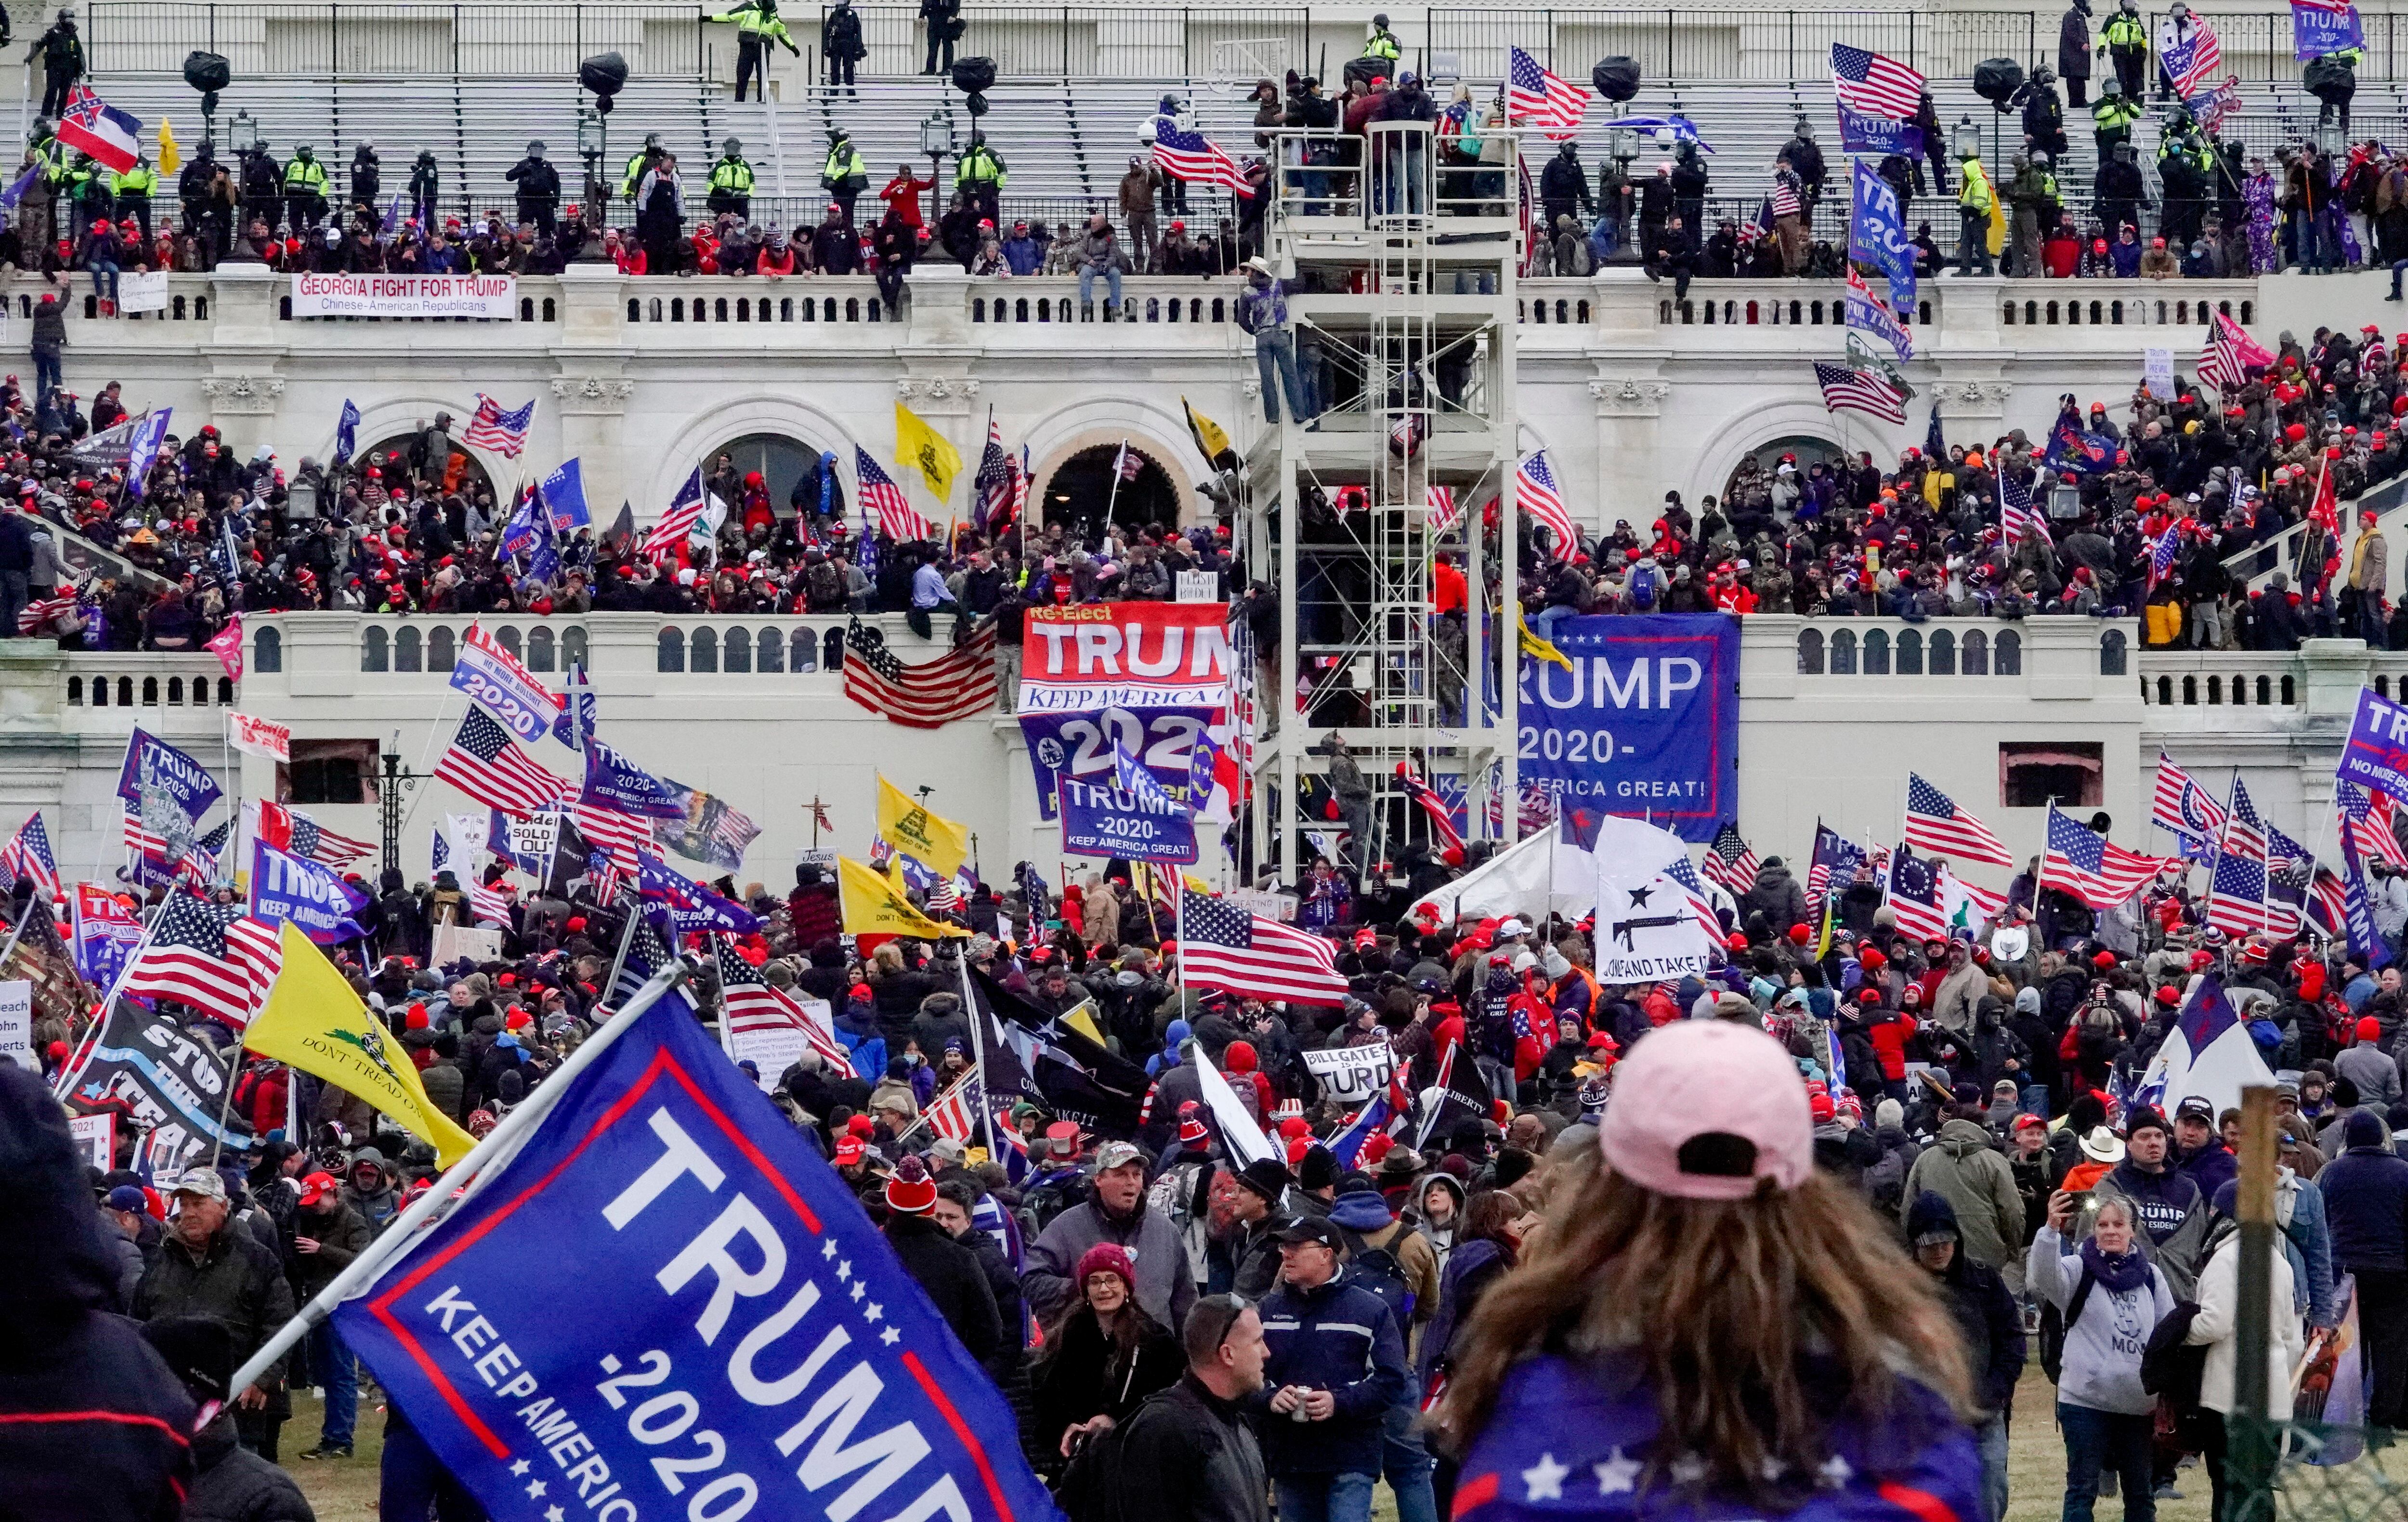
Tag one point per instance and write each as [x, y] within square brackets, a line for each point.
[1703, 1109]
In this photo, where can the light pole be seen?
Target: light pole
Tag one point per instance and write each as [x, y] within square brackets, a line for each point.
[396, 781]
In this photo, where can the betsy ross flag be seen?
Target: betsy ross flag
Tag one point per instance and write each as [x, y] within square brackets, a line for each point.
[1859, 390]
[1935, 823]
[214, 957]
[1914, 896]
[959, 684]
[2369, 819]
[503, 432]
[1534, 493]
[1536, 98]
[1730, 862]
[2080, 861]
[27, 857]
[2018, 520]
[483, 762]
[1183, 153]
[2229, 355]
[90, 124]
[678, 522]
[1866, 81]
[2183, 807]
[754, 1004]
[897, 518]
[1250, 957]
[2237, 888]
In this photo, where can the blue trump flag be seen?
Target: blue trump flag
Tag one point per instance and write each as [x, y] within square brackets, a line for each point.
[2074, 449]
[563, 492]
[142, 449]
[1645, 725]
[1877, 233]
[284, 886]
[614, 781]
[1860, 133]
[688, 904]
[155, 768]
[2324, 26]
[346, 431]
[721, 1332]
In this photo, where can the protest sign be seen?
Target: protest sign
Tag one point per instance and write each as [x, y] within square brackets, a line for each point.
[2158, 372]
[536, 836]
[2376, 754]
[1351, 1075]
[774, 1047]
[258, 736]
[1648, 928]
[95, 1136]
[1644, 724]
[17, 1023]
[476, 943]
[143, 293]
[1198, 586]
[1102, 820]
[495, 681]
[491, 297]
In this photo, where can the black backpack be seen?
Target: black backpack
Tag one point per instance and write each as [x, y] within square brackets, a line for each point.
[1088, 1488]
[1376, 1268]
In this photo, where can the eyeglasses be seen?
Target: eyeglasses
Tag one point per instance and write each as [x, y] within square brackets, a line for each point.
[1226, 1308]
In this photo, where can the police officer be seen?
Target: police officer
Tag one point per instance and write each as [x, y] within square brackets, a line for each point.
[640, 163]
[2111, 118]
[980, 176]
[840, 44]
[1382, 43]
[1976, 201]
[133, 190]
[731, 181]
[305, 189]
[758, 27]
[943, 19]
[2127, 48]
[846, 174]
[2182, 170]
[61, 50]
[192, 185]
[1805, 158]
[2121, 190]
[2043, 115]
[426, 189]
[539, 185]
[367, 176]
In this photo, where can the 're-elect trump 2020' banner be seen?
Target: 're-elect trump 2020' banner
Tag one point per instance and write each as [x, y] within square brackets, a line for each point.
[1645, 722]
[666, 1305]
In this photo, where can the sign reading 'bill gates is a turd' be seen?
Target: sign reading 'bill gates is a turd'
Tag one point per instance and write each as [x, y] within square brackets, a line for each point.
[1639, 719]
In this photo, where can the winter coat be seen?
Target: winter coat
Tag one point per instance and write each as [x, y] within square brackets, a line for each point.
[948, 1273]
[1987, 1316]
[2100, 1368]
[341, 1237]
[1779, 897]
[1084, 1374]
[1340, 1338]
[1164, 1288]
[236, 1485]
[1207, 1443]
[2366, 1209]
[235, 1281]
[2299, 1210]
[2218, 1327]
[2074, 44]
[1972, 1176]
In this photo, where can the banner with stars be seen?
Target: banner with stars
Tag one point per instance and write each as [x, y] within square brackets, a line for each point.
[666, 1304]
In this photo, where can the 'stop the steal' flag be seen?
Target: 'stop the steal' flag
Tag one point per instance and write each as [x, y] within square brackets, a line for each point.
[723, 1331]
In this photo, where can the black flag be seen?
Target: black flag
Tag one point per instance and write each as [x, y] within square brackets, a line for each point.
[1076, 1077]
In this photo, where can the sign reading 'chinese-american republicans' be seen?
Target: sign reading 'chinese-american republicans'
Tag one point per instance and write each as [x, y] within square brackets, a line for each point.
[2376, 755]
[1646, 724]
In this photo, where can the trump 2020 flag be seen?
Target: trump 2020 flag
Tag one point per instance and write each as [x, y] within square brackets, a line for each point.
[714, 1295]
[2208, 1053]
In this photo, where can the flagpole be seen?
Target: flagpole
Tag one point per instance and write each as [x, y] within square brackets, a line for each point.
[499, 1142]
[2207, 904]
[225, 1105]
[1112, 499]
[977, 1053]
[626, 938]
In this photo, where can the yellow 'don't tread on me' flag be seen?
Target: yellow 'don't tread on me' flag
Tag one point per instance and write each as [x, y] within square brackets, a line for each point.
[874, 904]
[1537, 646]
[938, 843]
[919, 447]
[313, 1022]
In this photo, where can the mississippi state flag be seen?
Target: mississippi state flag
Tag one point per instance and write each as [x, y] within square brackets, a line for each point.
[92, 125]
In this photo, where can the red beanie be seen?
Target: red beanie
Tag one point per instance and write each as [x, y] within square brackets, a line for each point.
[1799, 935]
[913, 1192]
[1239, 1057]
[416, 1019]
[1872, 960]
[2369, 1028]
[1103, 1257]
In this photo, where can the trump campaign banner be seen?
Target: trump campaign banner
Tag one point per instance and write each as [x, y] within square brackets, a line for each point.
[1153, 678]
[156, 771]
[721, 1333]
[493, 297]
[286, 887]
[2376, 755]
[2324, 26]
[1078, 746]
[496, 683]
[1641, 720]
[1861, 132]
[1099, 819]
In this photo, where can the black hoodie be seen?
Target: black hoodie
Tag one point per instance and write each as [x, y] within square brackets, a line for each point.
[125, 1453]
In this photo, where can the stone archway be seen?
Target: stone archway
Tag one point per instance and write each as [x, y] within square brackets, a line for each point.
[1073, 482]
[1750, 431]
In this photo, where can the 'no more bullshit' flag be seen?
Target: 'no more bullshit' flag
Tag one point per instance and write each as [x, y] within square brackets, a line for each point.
[721, 1332]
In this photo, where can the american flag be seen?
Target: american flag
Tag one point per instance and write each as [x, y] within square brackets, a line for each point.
[1702, 908]
[2371, 820]
[1442, 831]
[1785, 197]
[1534, 493]
[753, 1004]
[34, 615]
[2329, 903]
[1185, 155]
[2181, 805]
[2229, 354]
[214, 957]
[959, 684]
[1536, 98]
[2163, 554]
[953, 1114]
[647, 953]
[27, 855]
[2193, 61]
[1250, 957]
[1878, 86]
[2080, 861]
[618, 835]
[505, 433]
[197, 864]
[2290, 875]
[2237, 888]
[677, 524]
[2018, 520]
[993, 481]
[1444, 511]
[1936, 825]
[1914, 896]
[487, 902]
[289, 830]
[483, 762]
[1859, 390]
[1730, 862]
[897, 518]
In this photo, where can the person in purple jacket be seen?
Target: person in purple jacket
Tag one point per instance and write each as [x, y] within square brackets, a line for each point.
[1705, 1323]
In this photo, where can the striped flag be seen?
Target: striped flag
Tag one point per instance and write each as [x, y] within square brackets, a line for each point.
[1730, 862]
[27, 856]
[1249, 956]
[754, 1004]
[1866, 81]
[194, 863]
[618, 835]
[487, 902]
[1693, 891]
[2290, 877]
[34, 615]
[2229, 355]
[953, 1114]
[993, 496]
[897, 518]
[1534, 493]
[503, 432]
[2181, 805]
[677, 524]
[1442, 831]
[483, 762]
[215, 957]
[1536, 98]
[289, 830]
[2193, 62]
[2081, 861]
[1444, 511]
[1189, 155]
[2369, 818]
[2237, 888]
[2018, 520]
[959, 684]
[2163, 554]
[1859, 390]
[1935, 823]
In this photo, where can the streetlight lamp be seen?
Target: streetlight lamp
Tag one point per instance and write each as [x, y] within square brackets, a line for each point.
[937, 140]
[396, 781]
[593, 147]
[242, 136]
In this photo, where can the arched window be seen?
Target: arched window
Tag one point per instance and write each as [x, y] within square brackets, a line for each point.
[507, 637]
[2289, 696]
[1977, 654]
[2165, 691]
[2265, 691]
[176, 692]
[1943, 653]
[2216, 692]
[702, 651]
[2010, 652]
[1876, 652]
[803, 651]
[2190, 692]
[442, 649]
[572, 646]
[738, 648]
[100, 692]
[404, 649]
[124, 692]
[75, 691]
[772, 648]
[1910, 654]
[2110, 653]
[149, 692]
[1844, 653]
[832, 651]
[539, 649]
[267, 651]
[672, 651]
[1810, 653]
[372, 649]
[225, 692]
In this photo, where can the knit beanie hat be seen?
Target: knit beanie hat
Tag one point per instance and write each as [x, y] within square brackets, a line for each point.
[911, 1191]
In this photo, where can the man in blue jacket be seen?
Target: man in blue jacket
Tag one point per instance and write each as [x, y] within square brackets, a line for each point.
[2366, 1211]
[1337, 1364]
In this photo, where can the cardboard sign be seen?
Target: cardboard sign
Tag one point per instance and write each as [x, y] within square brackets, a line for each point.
[17, 1023]
[1351, 1075]
[475, 942]
[97, 1135]
[143, 293]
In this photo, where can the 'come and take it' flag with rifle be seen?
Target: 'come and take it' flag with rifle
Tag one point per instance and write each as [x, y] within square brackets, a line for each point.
[720, 1330]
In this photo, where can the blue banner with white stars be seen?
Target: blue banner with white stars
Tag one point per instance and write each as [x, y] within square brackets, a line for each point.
[666, 1305]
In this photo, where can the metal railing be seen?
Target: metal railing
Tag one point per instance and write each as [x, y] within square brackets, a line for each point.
[667, 41]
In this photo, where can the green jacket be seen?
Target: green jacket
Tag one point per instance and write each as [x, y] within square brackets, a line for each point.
[980, 167]
[2113, 116]
[1975, 194]
[845, 165]
[634, 174]
[1383, 44]
[2124, 30]
[306, 176]
[139, 181]
[732, 175]
[753, 21]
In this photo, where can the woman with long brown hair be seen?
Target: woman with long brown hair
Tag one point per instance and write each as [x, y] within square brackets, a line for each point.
[1103, 1357]
[1706, 1321]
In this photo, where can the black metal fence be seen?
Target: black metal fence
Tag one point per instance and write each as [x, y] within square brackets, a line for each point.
[667, 41]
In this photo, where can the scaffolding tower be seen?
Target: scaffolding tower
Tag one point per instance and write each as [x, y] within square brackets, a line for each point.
[1399, 252]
